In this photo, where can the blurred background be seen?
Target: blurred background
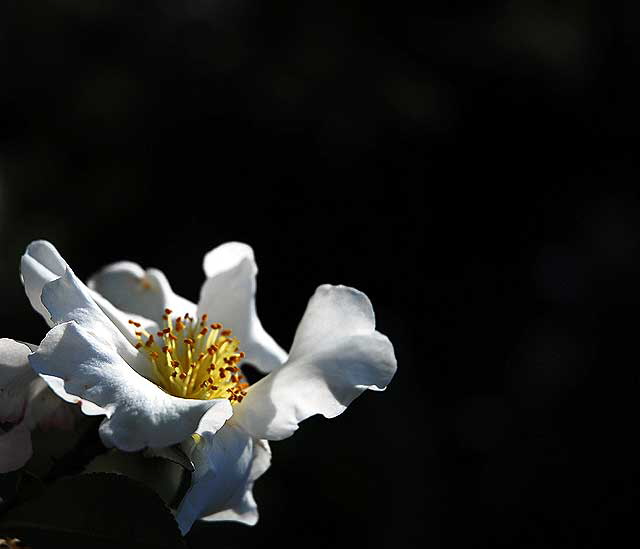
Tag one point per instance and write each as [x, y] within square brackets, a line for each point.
[472, 169]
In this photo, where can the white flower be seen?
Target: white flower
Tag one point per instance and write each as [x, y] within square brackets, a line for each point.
[25, 402]
[163, 370]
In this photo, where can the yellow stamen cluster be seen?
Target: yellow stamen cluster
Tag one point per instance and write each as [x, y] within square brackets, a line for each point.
[192, 359]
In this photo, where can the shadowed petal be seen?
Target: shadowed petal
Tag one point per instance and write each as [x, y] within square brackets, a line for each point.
[15, 377]
[227, 464]
[242, 507]
[15, 448]
[132, 289]
[25, 401]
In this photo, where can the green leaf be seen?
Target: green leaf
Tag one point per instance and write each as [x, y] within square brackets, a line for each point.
[94, 510]
[167, 477]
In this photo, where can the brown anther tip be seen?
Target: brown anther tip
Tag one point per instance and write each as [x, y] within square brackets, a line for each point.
[204, 318]
[242, 355]
[226, 332]
[165, 317]
[159, 334]
[203, 331]
[136, 324]
[216, 326]
[171, 336]
[138, 345]
[138, 333]
[154, 354]
[166, 330]
[239, 398]
[214, 387]
[175, 363]
[165, 349]
[189, 341]
[234, 379]
[174, 374]
[183, 375]
[168, 311]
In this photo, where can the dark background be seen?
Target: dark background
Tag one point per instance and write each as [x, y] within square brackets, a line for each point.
[464, 167]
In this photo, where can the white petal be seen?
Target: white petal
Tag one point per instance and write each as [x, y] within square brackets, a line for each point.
[228, 296]
[80, 368]
[63, 297]
[15, 377]
[43, 405]
[333, 312]
[132, 289]
[224, 473]
[25, 400]
[40, 264]
[336, 355]
[15, 448]
[243, 507]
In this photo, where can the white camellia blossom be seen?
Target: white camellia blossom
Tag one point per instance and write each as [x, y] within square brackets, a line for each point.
[162, 372]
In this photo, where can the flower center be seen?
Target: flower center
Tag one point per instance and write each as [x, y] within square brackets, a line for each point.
[193, 360]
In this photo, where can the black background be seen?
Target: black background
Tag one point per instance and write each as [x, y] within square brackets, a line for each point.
[467, 168]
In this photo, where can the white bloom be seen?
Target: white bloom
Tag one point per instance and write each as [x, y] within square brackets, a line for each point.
[158, 378]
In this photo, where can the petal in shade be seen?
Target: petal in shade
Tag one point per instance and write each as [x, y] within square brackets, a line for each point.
[15, 448]
[336, 355]
[227, 465]
[228, 296]
[242, 507]
[83, 369]
[25, 401]
[132, 289]
[15, 377]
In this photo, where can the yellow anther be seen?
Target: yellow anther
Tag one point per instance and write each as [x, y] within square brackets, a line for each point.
[187, 365]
